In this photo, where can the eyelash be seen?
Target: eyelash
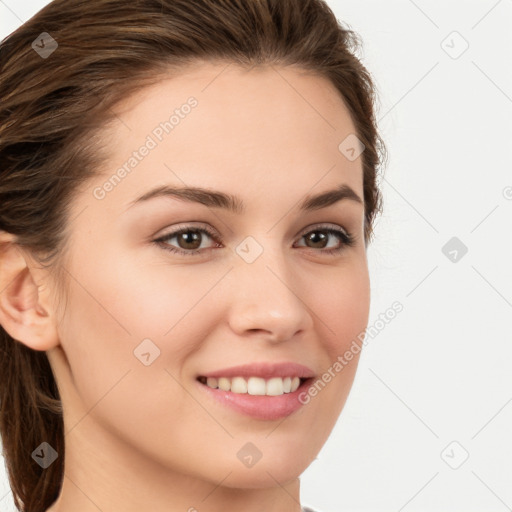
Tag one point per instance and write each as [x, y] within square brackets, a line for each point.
[346, 239]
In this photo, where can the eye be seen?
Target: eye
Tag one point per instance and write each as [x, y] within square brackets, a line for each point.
[319, 237]
[189, 239]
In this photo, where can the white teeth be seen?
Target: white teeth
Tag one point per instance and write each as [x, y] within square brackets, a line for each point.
[275, 386]
[255, 385]
[238, 385]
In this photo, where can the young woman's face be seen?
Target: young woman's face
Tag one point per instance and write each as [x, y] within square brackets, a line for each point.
[264, 286]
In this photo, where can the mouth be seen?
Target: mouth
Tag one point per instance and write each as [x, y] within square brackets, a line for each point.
[261, 391]
[255, 386]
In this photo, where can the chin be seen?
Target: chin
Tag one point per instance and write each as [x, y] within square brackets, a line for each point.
[263, 476]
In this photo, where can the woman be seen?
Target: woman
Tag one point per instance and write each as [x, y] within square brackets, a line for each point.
[187, 192]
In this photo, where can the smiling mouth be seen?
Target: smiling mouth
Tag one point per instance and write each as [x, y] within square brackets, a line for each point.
[256, 386]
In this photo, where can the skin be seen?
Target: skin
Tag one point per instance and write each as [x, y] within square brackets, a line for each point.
[147, 437]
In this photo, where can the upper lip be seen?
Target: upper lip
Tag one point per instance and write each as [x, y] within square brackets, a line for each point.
[264, 371]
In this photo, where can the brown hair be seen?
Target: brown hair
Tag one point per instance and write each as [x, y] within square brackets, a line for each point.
[53, 108]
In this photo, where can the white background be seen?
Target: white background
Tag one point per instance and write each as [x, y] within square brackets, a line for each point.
[440, 371]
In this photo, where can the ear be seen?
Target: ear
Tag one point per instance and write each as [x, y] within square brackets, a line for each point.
[25, 310]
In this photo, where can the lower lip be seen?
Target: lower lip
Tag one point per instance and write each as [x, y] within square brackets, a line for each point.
[262, 407]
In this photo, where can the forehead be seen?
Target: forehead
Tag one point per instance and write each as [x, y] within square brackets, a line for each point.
[222, 126]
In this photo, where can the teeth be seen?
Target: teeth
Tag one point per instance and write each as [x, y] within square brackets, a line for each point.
[238, 385]
[212, 382]
[224, 384]
[275, 386]
[255, 385]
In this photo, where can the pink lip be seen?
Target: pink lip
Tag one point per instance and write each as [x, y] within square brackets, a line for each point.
[258, 406]
[264, 370]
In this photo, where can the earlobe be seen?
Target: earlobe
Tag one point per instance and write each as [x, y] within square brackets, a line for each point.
[24, 314]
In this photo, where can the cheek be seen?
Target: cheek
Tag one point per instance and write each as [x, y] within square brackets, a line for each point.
[141, 298]
[113, 306]
[116, 304]
[342, 307]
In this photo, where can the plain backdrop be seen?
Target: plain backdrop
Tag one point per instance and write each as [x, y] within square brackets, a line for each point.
[427, 426]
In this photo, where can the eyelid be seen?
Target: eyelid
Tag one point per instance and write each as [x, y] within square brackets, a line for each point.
[323, 225]
[190, 226]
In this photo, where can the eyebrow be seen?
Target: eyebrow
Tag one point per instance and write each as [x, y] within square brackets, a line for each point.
[217, 199]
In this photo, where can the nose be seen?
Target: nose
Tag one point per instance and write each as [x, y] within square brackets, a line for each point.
[268, 299]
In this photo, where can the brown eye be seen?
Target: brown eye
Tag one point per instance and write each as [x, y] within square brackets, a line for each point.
[319, 239]
[188, 240]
